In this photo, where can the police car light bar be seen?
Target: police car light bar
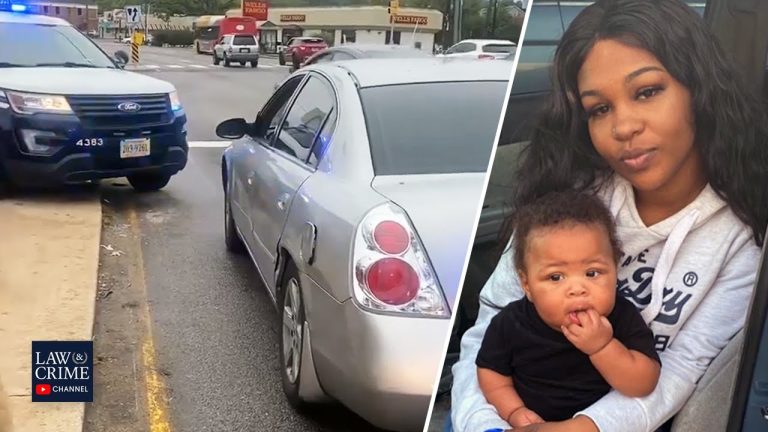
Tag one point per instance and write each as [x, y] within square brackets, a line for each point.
[8, 5]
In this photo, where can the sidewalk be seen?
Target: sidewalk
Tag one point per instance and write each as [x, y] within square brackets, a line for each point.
[49, 251]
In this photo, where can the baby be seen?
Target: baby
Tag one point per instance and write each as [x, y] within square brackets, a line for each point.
[570, 339]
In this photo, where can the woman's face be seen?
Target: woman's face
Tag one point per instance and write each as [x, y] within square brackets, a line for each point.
[640, 119]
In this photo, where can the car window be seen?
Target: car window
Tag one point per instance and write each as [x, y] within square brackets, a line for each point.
[244, 40]
[416, 128]
[322, 58]
[312, 40]
[340, 56]
[305, 118]
[323, 140]
[498, 48]
[544, 24]
[35, 44]
[274, 110]
[461, 47]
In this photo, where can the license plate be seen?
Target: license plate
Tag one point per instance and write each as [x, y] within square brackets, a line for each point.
[245, 50]
[136, 147]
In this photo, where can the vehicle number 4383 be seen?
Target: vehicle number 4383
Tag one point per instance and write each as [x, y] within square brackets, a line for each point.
[90, 142]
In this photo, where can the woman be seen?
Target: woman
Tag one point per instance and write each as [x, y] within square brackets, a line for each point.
[647, 113]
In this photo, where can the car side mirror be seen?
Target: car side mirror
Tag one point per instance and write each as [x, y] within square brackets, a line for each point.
[121, 57]
[232, 129]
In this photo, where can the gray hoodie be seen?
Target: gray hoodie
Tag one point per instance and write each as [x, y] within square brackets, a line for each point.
[692, 277]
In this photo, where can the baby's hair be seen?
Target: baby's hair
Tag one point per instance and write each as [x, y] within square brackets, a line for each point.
[562, 210]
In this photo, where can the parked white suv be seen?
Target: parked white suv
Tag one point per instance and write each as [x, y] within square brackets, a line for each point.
[488, 49]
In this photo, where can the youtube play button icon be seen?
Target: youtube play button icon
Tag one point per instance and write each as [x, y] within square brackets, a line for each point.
[43, 389]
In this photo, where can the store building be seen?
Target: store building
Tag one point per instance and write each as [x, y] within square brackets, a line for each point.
[362, 25]
[82, 14]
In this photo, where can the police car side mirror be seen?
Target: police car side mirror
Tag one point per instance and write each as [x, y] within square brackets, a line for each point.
[122, 58]
[232, 129]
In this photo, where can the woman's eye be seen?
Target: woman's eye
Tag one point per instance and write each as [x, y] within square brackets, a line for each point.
[648, 92]
[556, 277]
[598, 111]
[592, 273]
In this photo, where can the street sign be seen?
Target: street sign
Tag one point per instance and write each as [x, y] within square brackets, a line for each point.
[394, 6]
[133, 14]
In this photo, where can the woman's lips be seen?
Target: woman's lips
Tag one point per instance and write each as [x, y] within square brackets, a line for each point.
[638, 160]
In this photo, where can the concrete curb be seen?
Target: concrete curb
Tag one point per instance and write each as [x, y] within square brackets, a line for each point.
[49, 256]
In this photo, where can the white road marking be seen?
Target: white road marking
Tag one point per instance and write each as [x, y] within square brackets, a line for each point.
[198, 66]
[152, 66]
[175, 66]
[209, 144]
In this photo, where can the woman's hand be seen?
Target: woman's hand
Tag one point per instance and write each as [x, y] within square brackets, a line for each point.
[577, 424]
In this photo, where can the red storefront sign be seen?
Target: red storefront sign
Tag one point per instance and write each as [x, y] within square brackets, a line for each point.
[256, 9]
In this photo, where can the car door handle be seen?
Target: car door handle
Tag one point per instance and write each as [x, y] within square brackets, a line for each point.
[282, 201]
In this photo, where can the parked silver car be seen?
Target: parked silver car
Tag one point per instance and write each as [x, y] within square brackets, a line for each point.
[355, 192]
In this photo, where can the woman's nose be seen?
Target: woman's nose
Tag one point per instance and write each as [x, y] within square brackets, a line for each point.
[626, 124]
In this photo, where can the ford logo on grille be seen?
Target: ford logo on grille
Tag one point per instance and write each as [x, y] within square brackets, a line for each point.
[129, 107]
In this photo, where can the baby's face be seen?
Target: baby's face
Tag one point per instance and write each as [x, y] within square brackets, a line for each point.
[569, 269]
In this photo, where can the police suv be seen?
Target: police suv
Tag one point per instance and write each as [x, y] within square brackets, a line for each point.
[69, 113]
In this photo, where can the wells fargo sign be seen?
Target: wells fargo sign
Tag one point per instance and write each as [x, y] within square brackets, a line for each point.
[293, 18]
[256, 9]
[410, 19]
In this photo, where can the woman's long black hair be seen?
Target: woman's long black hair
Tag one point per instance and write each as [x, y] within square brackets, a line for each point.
[731, 132]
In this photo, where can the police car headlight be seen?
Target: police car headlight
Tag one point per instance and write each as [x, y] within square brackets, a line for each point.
[175, 101]
[31, 103]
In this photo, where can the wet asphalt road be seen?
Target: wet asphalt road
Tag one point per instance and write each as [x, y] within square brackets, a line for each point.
[215, 327]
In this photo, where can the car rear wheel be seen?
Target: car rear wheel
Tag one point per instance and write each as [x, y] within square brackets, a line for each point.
[148, 182]
[254, 64]
[296, 63]
[292, 340]
[197, 48]
[226, 61]
[231, 239]
[281, 59]
[216, 60]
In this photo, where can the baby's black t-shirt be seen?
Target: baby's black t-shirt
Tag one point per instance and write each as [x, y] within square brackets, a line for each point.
[552, 376]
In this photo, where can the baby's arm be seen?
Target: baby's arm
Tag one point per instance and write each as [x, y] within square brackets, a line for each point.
[500, 392]
[630, 372]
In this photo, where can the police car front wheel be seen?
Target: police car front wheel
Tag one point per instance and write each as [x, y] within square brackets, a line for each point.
[148, 182]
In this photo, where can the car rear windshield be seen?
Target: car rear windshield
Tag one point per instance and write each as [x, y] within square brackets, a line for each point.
[244, 40]
[48, 45]
[496, 48]
[432, 128]
[312, 40]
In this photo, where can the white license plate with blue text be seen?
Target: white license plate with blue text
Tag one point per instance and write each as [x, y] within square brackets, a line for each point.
[134, 147]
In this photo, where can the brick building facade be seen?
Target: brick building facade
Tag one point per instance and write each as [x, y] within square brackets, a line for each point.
[83, 14]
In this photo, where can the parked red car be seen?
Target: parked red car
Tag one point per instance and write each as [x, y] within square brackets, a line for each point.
[299, 49]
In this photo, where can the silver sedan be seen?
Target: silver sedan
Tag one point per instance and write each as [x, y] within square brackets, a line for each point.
[355, 192]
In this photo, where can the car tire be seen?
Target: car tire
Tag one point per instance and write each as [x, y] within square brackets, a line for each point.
[148, 182]
[216, 60]
[281, 59]
[255, 64]
[197, 48]
[242, 63]
[231, 239]
[292, 322]
[295, 63]
[226, 61]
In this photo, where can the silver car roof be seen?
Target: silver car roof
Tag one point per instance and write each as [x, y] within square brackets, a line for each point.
[381, 72]
[28, 18]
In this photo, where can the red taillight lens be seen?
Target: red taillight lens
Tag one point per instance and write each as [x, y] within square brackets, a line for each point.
[486, 57]
[391, 237]
[392, 281]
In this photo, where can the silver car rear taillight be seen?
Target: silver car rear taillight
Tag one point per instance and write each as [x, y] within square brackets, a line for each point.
[392, 272]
